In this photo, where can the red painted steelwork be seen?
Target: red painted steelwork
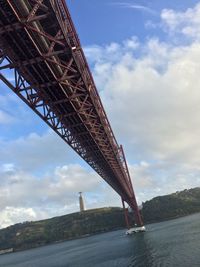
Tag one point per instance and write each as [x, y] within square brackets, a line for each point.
[39, 44]
[126, 215]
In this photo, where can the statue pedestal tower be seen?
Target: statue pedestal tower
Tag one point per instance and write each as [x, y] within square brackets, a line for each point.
[81, 203]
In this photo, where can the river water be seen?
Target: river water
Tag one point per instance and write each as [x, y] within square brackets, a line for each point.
[172, 243]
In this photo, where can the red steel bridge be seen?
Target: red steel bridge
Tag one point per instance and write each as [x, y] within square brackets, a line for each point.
[40, 46]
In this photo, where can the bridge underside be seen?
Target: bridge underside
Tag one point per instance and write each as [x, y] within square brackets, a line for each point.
[39, 45]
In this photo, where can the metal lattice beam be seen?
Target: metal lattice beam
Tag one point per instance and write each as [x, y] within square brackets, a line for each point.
[39, 44]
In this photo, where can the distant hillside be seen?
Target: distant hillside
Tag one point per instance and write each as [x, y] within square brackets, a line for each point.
[172, 206]
[32, 234]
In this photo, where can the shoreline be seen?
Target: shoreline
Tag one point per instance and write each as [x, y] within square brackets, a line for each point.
[13, 250]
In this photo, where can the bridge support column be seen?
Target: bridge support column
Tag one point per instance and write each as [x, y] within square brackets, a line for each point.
[126, 215]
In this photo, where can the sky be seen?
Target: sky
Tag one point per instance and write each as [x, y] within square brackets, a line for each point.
[145, 59]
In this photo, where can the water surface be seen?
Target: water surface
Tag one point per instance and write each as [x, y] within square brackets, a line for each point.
[172, 243]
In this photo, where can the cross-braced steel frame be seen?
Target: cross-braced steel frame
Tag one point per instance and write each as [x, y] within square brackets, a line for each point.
[39, 44]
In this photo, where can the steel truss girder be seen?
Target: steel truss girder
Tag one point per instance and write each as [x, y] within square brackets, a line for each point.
[72, 76]
[47, 114]
[32, 97]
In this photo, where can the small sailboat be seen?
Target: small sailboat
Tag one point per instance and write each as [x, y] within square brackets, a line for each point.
[135, 230]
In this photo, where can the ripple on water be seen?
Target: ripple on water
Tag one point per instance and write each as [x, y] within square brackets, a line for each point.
[173, 243]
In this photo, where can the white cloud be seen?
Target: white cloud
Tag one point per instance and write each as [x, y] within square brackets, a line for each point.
[152, 101]
[185, 22]
[160, 178]
[36, 151]
[58, 187]
[5, 118]
[11, 215]
[151, 94]
[54, 194]
[38, 176]
[135, 7]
